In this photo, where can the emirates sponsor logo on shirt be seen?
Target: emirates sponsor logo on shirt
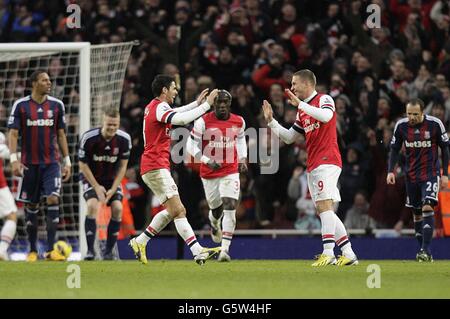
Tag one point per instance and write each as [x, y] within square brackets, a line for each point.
[222, 142]
[105, 158]
[40, 122]
[312, 127]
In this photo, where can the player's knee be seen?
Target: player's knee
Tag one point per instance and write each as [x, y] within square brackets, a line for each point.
[32, 206]
[324, 205]
[217, 212]
[52, 200]
[427, 207]
[179, 211]
[92, 209]
[12, 217]
[116, 213]
[229, 203]
[417, 214]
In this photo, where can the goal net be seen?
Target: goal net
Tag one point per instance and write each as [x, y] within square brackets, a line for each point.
[86, 78]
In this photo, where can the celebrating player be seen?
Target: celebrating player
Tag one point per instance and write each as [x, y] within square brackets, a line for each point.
[103, 154]
[421, 135]
[8, 207]
[39, 120]
[316, 118]
[155, 165]
[220, 134]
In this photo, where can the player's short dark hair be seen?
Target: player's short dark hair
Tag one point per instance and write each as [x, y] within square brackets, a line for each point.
[307, 75]
[111, 111]
[161, 81]
[417, 102]
[35, 75]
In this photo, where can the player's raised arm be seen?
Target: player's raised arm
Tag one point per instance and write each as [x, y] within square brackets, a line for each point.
[166, 114]
[201, 98]
[323, 113]
[287, 136]
[195, 139]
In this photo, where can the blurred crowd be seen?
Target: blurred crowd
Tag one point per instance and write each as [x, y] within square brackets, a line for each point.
[252, 48]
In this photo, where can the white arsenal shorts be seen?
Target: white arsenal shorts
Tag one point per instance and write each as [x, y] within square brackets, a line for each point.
[7, 203]
[161, 183]
[216, 188]
[323, 181]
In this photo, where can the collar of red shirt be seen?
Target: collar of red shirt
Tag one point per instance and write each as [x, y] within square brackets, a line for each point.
[309, 98]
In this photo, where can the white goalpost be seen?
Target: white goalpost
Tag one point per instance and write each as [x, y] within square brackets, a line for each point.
[86, 78]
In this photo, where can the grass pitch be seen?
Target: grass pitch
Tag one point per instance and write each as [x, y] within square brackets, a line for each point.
[238, 279]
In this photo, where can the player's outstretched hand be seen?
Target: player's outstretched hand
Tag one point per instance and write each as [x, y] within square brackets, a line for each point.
[66, 172]
[212, 164]
[444, 182]
[201, 98]
[212, 96]
[267, 110]
[243, 168]
[293, 100]
[101, 193]
[390, 179]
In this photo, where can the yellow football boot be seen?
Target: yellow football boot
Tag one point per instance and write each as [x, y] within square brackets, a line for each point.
[139, 250]
[54, 255]
[205, 254]
[324, 260]
[345, 261]
[32, 257]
